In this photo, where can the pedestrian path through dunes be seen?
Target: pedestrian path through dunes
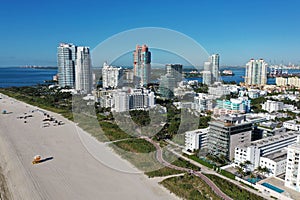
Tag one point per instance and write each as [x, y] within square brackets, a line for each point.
[72, 173]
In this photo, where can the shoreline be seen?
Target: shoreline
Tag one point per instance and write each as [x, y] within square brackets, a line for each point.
[146, 187]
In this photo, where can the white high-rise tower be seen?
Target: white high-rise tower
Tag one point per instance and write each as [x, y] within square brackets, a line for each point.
[256, 72]
[83, 72]
[214, 60]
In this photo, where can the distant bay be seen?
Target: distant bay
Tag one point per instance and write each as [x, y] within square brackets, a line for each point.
[17, 76]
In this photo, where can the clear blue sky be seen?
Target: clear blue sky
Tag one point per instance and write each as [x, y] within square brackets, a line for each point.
[236, 29]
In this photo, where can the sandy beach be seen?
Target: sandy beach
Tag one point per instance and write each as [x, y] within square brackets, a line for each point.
[70, 172]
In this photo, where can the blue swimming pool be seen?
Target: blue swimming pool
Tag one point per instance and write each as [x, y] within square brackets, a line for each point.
[253, 180]
[272, 187]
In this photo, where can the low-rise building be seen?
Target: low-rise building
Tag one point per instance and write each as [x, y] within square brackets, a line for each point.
[254, 150]
[232, 106]
[272, 106]
[292, 125]
[275, 163]
[196, 139]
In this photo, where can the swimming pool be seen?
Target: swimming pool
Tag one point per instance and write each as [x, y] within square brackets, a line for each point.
[253, 180]
[272, 187]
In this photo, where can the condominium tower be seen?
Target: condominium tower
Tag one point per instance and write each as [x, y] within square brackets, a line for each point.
[66, 59]
[256, 72]
[142, 65]
[74, 67]
[83, 73]
[214, 60]
[112, 77]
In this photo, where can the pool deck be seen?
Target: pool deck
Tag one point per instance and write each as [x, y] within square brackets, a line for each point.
[277, 182]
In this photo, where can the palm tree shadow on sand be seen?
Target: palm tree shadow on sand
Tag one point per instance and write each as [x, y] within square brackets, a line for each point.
[46, 159]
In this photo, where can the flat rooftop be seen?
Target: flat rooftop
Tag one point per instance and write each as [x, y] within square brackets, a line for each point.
[272, 139]
[277, 156]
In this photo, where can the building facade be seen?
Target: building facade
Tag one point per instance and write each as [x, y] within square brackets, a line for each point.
[292, 175]
[272, 106]
[142, 65]
[196, 139]
[66, 59]
[215, 68]
[74, 67]
[112, 77]
[226, 133]
[265, 147]
[83, 71]
[256, 72]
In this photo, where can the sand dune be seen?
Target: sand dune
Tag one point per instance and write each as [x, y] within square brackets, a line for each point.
[73, 173]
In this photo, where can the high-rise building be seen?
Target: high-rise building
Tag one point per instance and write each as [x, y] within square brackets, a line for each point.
[66, 59]
[226, 133]
[174, 70]
[256, 72]
[142, 65]
[214, 60]
[83, 72]
[207, 74]
[74, 67]
[292, 175]
[112, 77]
[166, 86]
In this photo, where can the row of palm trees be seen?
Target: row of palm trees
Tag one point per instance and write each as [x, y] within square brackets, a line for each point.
[242, 170]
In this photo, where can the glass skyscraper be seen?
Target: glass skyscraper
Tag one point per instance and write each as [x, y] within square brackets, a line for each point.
[142, 65]
[74, 67]
[66, 58]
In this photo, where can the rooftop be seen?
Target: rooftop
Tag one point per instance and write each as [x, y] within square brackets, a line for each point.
[277, 156]
[272, 139]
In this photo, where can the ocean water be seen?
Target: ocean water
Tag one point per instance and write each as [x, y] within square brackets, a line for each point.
[17, 76]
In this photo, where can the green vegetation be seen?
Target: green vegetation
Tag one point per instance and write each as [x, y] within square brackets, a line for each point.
[201, 88]
[256, 104]
[201, 161]
[140, 117]
[203, 121]
[50, 99]
[227, 174]
[165, 171]
[233, 190]
[189, 187]
[135, 145]
[112, 131]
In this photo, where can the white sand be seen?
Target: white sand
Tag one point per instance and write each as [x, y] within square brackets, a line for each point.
[73, 173]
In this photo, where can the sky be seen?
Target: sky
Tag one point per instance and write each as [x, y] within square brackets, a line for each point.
[236, 29]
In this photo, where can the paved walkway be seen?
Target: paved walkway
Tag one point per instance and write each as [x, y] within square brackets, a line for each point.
[211, 184]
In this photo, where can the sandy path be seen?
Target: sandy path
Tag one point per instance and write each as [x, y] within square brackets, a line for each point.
[73, 173]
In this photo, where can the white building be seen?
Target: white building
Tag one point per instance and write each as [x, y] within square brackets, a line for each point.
[264, 147]
[292, 125]
[203, 102]
[292, 175]
[218, 89]
[256, 72]
[196, 139]
[271, 106]
[275, 163]
[112, 77]
[132, 99]
[284, 81]
[83, 71]
[214, 60]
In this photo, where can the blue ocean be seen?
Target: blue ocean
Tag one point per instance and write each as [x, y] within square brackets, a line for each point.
[17, 76]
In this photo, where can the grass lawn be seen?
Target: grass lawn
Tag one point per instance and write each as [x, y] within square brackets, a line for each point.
[232, 190]
[165, 171]
[189, 187]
